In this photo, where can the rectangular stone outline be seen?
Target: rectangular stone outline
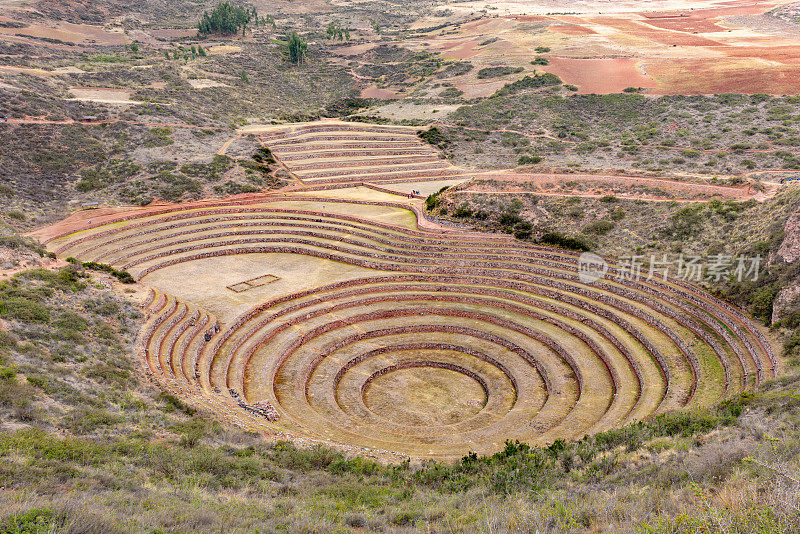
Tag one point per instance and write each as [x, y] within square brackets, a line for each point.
[258, 281]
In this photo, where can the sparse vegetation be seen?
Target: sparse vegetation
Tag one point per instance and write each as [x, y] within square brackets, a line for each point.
[496, 72]
[296, 48]
[435, 137]
[226, 18]
[529, 160]
[89, 444]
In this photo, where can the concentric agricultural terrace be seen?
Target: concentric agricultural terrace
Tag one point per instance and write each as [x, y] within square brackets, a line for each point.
[345, 317]
[328, 153]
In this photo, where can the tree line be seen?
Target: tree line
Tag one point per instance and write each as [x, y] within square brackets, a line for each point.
[226, 18]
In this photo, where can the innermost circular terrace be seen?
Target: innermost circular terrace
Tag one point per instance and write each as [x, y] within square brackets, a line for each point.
[423, 395]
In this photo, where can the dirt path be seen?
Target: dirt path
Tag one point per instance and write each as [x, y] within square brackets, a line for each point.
[224, 148]
[744, 191]
[649, 198]
[25, 265]
[109, 121]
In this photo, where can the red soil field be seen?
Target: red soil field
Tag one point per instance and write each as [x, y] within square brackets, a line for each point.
[460, 49]
[737, 8]
[690, 24]
[651, 33]
[69, 33]
[602, 75]
[377, 92]
[783, 54]
[528, 18]
[693, 76]
[173, 34]
[572, 29]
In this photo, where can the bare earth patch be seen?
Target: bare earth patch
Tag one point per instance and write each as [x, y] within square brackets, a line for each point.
[104, 95]
[205, 83]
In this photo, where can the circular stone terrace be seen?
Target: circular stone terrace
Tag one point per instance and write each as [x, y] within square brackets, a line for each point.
[345, 317]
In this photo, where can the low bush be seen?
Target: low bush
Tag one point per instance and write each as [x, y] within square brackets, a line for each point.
[208, 171]
[434, 200]
[529, 82]
[529, 160]
[495, 72]
[158, 137]
[559, 240]
[435, 137]
[34, 521]
[123, 276]
[599, 227]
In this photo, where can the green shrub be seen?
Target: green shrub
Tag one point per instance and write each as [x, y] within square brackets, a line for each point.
[235, 188]
[748, 164]
[175, 186]
[435, 137]
[529, 82]
[264, 156]
[105, 307]
[70, 321]
[599, 227]
[158, 137]
[433, 200]
[24, 309]
[529, 160]
[463, 210]
[559, 240]
[110, 375]
[36, 381]
[495, 72]
[84, 421]
[685, 222]
[34, 521]
[523, 230]
[13, 394]
[123, 276]
[93, 178]
[762, 302]
[66, 279]
[171, 403]
[450, 93]
[209, 171]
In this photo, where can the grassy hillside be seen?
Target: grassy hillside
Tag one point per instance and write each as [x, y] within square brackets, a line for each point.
[86, 446]
[701, 135]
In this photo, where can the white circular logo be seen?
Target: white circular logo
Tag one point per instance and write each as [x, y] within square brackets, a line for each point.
[591, 267]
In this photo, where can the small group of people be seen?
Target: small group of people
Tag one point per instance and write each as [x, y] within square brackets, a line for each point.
[414, 192]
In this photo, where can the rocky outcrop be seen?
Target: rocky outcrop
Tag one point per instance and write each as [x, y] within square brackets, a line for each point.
[787, 301]
[788, 297]
[789, 250]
